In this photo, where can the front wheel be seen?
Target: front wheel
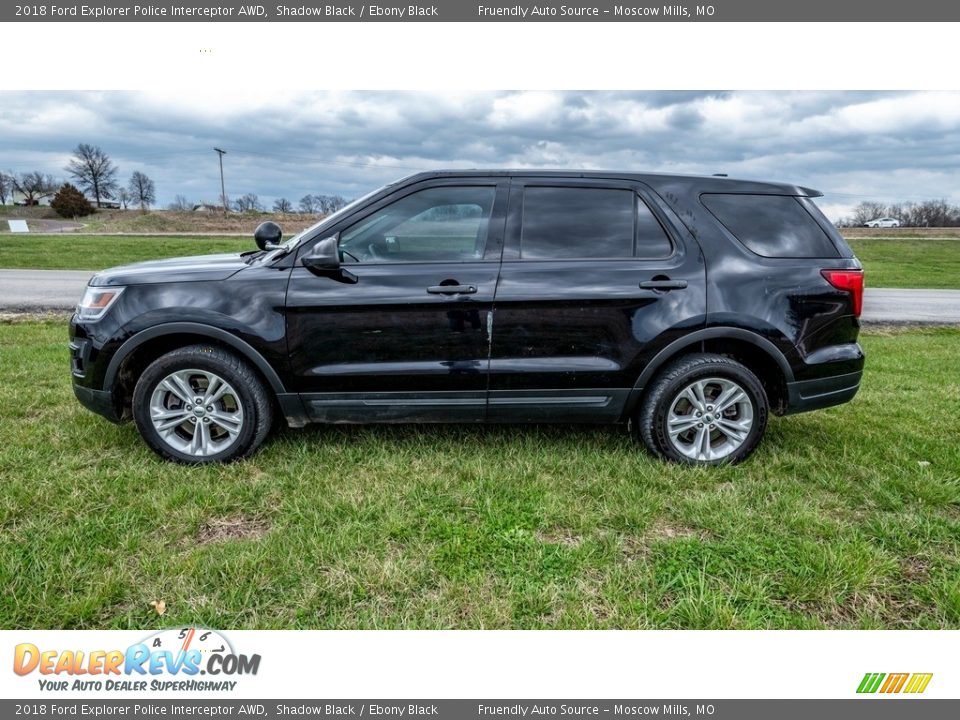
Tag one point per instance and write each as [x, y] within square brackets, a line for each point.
[703, 409]
[201, 404]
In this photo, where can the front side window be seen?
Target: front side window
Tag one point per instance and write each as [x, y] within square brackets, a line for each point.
[441, 224]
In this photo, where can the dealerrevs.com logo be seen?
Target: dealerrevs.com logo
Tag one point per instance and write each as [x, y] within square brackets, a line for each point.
[183, 659]
[890, 683]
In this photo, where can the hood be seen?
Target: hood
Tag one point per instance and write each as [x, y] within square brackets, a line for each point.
[184, 269]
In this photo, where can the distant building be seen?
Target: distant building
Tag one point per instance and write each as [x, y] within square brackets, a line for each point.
[23, 202]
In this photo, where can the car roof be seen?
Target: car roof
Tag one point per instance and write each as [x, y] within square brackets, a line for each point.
[703, 183]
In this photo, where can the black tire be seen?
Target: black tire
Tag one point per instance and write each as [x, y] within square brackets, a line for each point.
[251, 395]
[651, 420]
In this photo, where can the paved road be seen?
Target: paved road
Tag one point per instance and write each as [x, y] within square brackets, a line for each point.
[932, 307]
[60, 290]
[41, 289]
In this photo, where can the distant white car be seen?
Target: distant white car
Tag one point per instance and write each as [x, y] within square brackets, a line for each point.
[884, 222]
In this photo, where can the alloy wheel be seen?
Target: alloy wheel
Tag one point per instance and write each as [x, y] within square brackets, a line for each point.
[196, 412]
[710, 419]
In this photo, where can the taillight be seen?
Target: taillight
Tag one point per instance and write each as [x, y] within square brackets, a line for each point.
[849, 280]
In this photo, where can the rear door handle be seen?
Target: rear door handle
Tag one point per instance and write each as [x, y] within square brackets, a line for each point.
[663, 284]
[452, 289]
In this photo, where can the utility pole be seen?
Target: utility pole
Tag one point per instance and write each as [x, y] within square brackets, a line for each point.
[223, 192]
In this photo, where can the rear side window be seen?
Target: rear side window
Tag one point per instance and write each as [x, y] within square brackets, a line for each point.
[568, 223]
[775, 226]
[652, 239]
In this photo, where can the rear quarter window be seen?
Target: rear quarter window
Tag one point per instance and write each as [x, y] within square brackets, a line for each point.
[776, 226]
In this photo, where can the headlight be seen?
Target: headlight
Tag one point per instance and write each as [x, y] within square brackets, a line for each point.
[96, 301]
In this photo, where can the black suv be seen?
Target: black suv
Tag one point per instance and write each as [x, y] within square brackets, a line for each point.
[687, 307]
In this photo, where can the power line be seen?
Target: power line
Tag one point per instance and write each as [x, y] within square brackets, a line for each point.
[879, 196]
[336, 163]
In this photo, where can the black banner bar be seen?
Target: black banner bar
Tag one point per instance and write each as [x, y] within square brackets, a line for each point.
[484, 11]
[868, 708]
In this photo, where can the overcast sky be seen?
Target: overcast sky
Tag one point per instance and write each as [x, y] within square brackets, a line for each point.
[852, 145]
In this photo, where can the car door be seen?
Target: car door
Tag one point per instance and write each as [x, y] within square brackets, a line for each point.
[404, 332]
[593, 272]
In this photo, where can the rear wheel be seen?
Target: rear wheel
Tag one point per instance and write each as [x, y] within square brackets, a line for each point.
[201, 404]
[703, 409]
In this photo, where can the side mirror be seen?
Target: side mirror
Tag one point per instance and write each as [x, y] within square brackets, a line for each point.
[268, 235]
[324, 258]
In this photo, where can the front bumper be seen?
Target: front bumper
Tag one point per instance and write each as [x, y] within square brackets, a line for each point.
[98, 401]
[81, 354]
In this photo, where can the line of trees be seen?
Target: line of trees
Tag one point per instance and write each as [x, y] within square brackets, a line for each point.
[92, 172]
[311, 204]
[929, 213]
[322, 204]
[250, 202]
[96, 176]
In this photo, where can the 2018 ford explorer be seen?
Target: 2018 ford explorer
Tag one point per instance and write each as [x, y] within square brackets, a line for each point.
[689, 308]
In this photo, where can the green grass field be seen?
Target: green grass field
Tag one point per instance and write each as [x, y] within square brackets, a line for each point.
[845, 518]
[918, 263]
[95, 252]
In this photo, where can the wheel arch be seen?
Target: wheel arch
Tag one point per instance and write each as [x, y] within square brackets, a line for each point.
[758, 353]
[191, 331]
[137, 352]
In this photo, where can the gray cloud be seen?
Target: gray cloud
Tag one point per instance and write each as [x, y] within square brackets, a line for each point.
[852, 145]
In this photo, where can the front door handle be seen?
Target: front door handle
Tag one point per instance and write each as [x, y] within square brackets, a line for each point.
[452, 289]
[663, 284]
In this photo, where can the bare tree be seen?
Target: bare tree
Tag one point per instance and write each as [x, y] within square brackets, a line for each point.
[308, 204]
[327, 204]
[953, 217]
[248, 203]
[282, 205]
[896, 210]
[94, 172]
[142, 190]
[123, 197]
[6, 187]
[867, 211]
[34, 186]
[180, 203]
[324, 203]
[932, 213]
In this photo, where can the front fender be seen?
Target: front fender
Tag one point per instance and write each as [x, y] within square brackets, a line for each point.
[192, 328]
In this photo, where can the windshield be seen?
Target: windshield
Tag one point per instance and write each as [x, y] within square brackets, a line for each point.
[333, 217]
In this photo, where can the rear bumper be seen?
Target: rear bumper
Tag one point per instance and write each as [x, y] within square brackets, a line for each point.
[806, 395]
[98, 401]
